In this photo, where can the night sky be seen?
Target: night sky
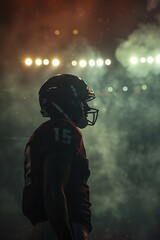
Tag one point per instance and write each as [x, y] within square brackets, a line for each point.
[123, 146]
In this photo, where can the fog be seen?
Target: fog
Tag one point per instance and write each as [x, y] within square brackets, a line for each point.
[123, 146]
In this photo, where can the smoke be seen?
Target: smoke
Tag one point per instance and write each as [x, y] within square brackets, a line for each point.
[123, 146]
[143, 42]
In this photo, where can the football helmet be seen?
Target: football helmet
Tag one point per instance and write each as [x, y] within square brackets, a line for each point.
[68, 96]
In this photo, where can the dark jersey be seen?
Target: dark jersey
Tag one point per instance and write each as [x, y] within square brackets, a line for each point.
[50, 137]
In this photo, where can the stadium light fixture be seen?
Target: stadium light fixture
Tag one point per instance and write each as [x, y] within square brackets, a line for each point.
[157, 59]
[143, 60]
[110, 89]
[99, 62]
[46, 61]
[38, 61]
[28, 61]
[91, 63]
[150, 60]
[75, 31]
[57, 32]
[108, 62]
[74, 63]
[125, 89]
[144, 87]
[82, 63]
[55, 62]
[133, 60]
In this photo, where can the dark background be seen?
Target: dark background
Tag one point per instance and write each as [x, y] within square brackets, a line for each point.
[123, 147]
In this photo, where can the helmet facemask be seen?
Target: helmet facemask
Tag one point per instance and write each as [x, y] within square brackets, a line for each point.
[88, 115]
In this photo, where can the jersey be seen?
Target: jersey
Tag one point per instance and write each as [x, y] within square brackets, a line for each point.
[51, 137]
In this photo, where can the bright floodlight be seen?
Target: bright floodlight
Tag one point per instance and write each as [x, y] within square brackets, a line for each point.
[82, 63]
[144, 87]
[28, 61]
[150, 59]
[74, 63]
[99, 62]
[125, 88]
[110, 89]
[133, 60]
[75, 31]
[55, 62]
[38, 61]
[108, 62]
[57, 32]
[143, 60]
[45, 61]
[91, 63]
[157, 59]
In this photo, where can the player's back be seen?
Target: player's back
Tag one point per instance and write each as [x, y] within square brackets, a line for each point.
[56, 136]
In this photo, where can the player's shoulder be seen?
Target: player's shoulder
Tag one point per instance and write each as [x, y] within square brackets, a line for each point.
[54, 128]
[67, 127]
[40, 130]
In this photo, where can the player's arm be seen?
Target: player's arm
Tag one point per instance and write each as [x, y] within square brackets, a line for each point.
[56, 174]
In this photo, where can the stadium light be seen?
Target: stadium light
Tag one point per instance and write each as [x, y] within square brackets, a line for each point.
[82, 63]
[143, 60]
[74, 63]
[125, 89]
[144, 87]
[46, 62]
[38, 61]
[110, 89]
[99, 62]
[55, 62]
[28, 61]
[91, 63]
[108, 62]
[133, 60]
[75, 31]
[150, 60]
[57, 32]
[157, 59]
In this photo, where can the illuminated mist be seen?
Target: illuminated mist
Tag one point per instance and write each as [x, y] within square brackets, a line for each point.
[123, 146]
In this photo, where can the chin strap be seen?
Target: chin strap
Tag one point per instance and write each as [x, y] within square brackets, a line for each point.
[61, 111]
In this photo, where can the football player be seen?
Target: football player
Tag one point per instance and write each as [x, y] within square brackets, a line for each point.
[56, 193]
